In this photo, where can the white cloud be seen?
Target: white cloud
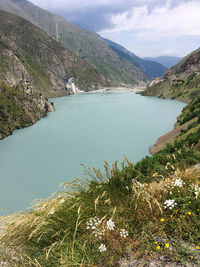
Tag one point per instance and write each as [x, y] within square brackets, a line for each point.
[161, 22]
[80, 4]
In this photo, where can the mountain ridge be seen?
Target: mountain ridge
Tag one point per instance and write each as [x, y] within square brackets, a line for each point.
[181, 81]
[86, 44]
[151, 68]
[167, 61]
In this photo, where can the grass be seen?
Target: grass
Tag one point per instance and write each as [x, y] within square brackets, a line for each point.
[56, 233]
[150, 209]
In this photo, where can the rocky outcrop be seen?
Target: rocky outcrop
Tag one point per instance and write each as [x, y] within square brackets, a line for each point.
[181, 81]
[28, 54]
[20, 107]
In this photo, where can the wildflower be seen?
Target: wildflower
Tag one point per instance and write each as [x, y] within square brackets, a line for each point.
[61, 201]
[162, 219]
[170, 203]
[123, 233]
[102, 248]
[196, 189]
[189, 202]
[197, 247]
[98, 233]
[178, 183]
[110, 225]
[155, 242]
[189, 213]
[138, 184]
[158, 247]
[93, 223]
[51, 212]
[167, 245]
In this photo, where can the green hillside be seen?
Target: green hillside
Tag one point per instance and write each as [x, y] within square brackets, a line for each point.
[19, 109]
[151, 68]
[181, 82]
[27, 53]
[88, 45]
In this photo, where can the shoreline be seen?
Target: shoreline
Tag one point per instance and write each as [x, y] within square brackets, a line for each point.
[119, 89]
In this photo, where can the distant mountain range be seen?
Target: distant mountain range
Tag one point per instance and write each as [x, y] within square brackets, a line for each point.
[166, 61]
[181, 81]
[151, 68]
[88, 45]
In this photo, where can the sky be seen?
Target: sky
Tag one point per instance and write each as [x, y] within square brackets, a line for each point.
[145, 27]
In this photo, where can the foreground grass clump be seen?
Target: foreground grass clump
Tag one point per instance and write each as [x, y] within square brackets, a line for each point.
[99, 221]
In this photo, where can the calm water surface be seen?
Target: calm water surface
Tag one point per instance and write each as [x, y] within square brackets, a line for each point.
[86, 129]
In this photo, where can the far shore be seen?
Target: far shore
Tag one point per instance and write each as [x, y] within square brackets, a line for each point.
[119, 89]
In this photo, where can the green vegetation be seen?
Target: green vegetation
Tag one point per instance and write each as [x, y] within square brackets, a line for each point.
[85, 44]
[18, 109]
[28, 53]
[148, 210]
[181, 82]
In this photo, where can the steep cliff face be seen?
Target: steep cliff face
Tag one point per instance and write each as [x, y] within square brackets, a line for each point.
[86, 44]
[29, 54]
[20, 107]
[34, 66]
[182, 81]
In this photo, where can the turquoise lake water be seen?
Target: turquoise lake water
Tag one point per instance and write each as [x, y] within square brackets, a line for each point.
[88, 129]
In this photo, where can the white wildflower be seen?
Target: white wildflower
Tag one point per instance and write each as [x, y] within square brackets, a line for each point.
[170, 203]
[196, 189]
[61, 201]
[51, 212]
[110, 225]
[178, 183]
[93, 223]
[102, 248]
[138, 184]
[98, 233]
[123, 233]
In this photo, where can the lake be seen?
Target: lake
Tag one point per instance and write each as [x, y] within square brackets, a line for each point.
[86, 128]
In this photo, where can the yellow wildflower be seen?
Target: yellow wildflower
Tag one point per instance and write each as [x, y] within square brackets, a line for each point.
[155, 242]
[189, 213]
[189, 202]
[158, 247]
[191, 257]
[166, 245]
[197, 247]
[162, 219]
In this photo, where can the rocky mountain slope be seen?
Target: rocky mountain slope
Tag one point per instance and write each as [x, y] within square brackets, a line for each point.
[34, 66]
[182, 81]
[166, 61]
[86, 44]
[29, 54]
[151, 68]
[20, 108]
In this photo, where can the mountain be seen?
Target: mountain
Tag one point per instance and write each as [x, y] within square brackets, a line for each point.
[34, 66]
[29, 54]
[166, 61]
[20, 108]
[182, 81]
[86, 44]
[151, 68]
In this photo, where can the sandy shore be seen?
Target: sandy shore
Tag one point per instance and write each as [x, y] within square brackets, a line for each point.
[119, 89]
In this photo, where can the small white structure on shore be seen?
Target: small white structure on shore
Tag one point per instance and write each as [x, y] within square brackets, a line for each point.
[70, 85]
